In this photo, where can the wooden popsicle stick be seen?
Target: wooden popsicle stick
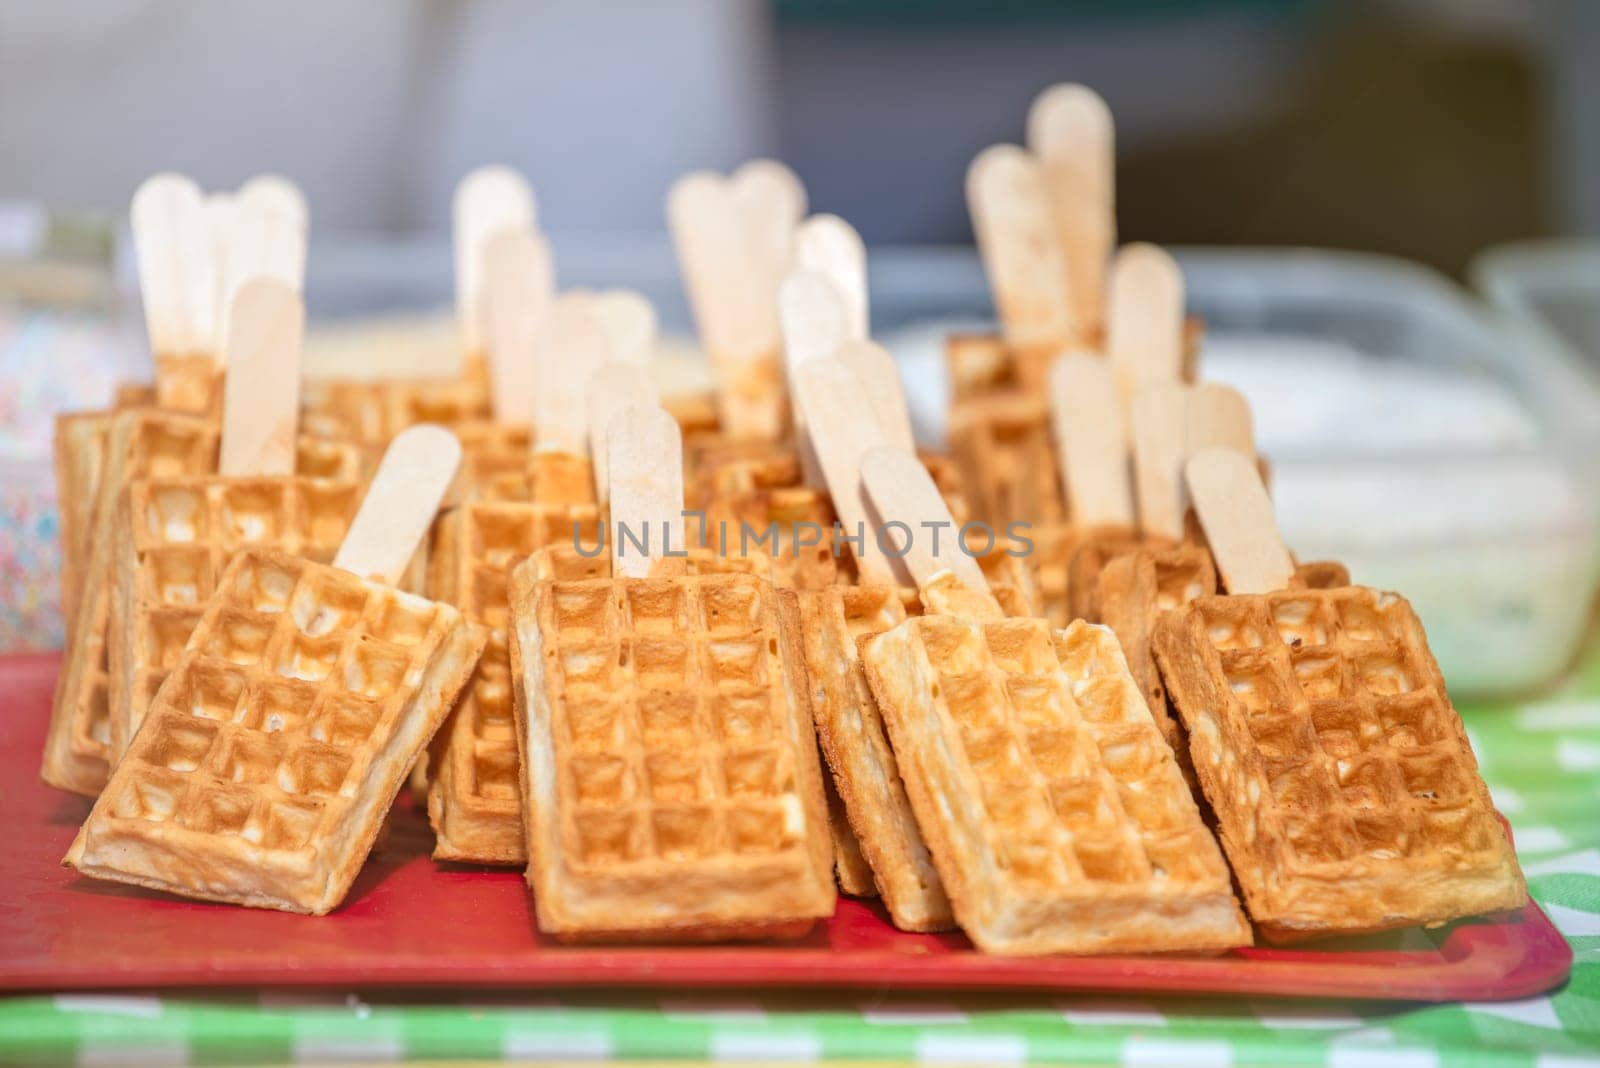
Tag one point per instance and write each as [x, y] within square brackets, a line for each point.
[261, 390]
[613, 388]
[1144, 334]
[881, 378]
[771, 201]
[400, 504]
[830, 246]
[569, 345]
[275, 195]
[206, 296]
[1071, 132]
[167, 218]
[645, 456]
[815, 326]
[487, 201]
[734, 304]
[1219, 417]
[1159, 422]
[843, 428]
[519, 286]
[902, 491]
[1240, 527]
[629, 320]
[1012, 218]
[1090, 441]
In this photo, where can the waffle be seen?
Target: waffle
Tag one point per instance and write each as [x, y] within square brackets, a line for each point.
[473, 802]
[191, 384]
[670, 770]
[141, 443]
[982, 365]
[80, 444]
[1007, 460]
[373, 412]
[1345, 790]
[1054, 811]
[278, 743]
[174, 536]
[851, 731]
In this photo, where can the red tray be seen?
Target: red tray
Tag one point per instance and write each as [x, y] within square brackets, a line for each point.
[411, 922]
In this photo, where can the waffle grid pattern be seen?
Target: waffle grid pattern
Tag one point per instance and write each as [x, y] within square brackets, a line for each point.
[272, 751]
[673, 781]
[473, 799]
[1348, 796]
[140, 444]
[177, 537]
[1056, 814]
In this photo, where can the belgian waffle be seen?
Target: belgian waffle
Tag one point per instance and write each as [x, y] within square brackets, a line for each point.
[175, 536]
[981, 365]
[1346, 792]
[854, 739]
[1007, 460]
[373, 412]
[80, 445]
[473, 802]
[141, 443]
[669, 766]
[1053, 809]
[191, 384]
[276, 746]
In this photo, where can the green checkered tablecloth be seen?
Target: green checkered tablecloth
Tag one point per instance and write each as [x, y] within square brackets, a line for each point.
[1542, 759]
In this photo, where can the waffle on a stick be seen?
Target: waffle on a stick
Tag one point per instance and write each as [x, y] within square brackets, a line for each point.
[274, 749]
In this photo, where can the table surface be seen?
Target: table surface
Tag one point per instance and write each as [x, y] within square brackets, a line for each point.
[1541, 757]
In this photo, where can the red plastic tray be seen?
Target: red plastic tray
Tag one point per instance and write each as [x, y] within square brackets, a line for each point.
[411, 922]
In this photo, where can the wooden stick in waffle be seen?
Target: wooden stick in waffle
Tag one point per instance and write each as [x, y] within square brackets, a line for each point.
[669, 771]
[569, 346]
[849, 727]
[733, 238]
[816, 324]
[175, 536]
[274, 749]
[1069, 129]
[1345, 790]
[1055, 814]
[518, 288]
[831, 247]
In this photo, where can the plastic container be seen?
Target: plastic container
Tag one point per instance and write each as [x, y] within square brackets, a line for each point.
[1548, 294]
[1410, 438]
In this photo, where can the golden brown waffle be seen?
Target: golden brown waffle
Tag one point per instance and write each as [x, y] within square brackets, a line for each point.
[1007, 460]
[141, 443]
[80, 444]
[854, 739]
[373, 412]
[671, 775]
[191, 384]
[275, 748]
[175, 536]
[1345, 790]
[1054, 811]
[980, 365]
[473, 802]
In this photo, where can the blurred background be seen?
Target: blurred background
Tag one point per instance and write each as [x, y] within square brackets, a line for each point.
[1424, 128]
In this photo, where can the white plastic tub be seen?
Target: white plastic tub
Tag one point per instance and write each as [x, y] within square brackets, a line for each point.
[1410, 438]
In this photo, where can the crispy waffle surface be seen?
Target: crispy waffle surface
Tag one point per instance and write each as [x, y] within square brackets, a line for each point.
[1007, 462]
[856, 744]
[276, 746]
[1055, 813]
[670, 769]
[140, 443]
[80, 446]
[473, 800]
[1346, 792]
[174, 537]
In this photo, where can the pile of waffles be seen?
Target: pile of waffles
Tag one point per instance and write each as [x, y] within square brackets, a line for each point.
[701, 664]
